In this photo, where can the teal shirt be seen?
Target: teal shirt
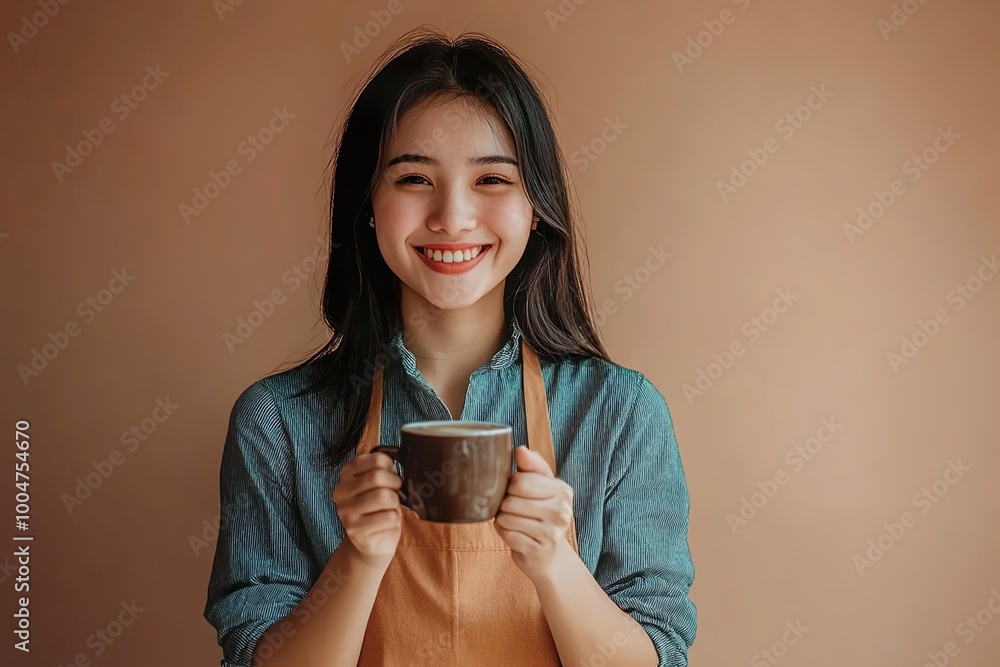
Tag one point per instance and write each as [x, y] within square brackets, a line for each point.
[614, 445]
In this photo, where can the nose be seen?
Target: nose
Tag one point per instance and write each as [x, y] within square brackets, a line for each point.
[452, 214]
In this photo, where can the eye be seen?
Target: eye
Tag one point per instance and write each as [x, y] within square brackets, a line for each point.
[498, 180]
[412, 178]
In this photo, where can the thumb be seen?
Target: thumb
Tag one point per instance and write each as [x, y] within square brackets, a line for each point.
[531, 461]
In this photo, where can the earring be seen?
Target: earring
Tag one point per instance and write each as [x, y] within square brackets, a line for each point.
[534, 222]
[371, 221]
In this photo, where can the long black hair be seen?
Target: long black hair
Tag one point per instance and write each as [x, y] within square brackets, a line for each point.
[545, 291]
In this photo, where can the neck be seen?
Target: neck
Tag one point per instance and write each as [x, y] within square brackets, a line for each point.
[450, 344]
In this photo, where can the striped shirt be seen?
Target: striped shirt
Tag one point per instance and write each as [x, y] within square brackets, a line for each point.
[614, 445]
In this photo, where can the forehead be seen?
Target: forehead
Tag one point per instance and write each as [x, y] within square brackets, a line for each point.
[452, 125]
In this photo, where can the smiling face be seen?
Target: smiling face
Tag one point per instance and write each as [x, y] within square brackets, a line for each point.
[451, 214]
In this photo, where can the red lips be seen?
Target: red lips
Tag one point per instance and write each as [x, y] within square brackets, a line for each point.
[452, 267]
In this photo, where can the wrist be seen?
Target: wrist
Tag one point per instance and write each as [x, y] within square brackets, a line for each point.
[361, 563]
[557, 569]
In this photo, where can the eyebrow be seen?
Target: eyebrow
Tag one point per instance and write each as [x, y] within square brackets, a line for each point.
[473, 162]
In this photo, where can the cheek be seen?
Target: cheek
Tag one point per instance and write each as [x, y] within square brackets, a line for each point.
[390, 203]
[390, 208]
[509, 219]
[395, 218]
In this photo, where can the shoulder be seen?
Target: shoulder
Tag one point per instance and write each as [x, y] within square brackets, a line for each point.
[252, 405]
[287, 385]
[282, 394]
[613, 388]
[594, 374]
[267, 404]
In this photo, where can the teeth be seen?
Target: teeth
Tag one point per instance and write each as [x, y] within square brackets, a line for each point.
[450, 257]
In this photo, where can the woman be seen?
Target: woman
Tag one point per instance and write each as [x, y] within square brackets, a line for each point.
[454, 292]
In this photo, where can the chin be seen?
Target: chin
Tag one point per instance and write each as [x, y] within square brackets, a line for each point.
[450, 294]
[446, 299]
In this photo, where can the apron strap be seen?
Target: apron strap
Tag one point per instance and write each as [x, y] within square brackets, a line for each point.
[536, 408]
[536, 413]
[372, 433]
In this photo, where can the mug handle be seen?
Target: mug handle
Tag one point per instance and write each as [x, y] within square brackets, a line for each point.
[393, 453]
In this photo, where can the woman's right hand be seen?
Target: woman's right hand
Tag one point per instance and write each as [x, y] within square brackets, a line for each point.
[368, 505]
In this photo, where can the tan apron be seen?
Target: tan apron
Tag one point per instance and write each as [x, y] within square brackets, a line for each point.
[452, 595]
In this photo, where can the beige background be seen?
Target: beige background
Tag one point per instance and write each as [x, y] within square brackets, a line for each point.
[655, 184]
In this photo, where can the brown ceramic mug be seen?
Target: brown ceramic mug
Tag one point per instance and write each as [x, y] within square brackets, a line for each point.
[454, 471]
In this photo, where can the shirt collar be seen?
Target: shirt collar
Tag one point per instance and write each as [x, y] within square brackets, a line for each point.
[504, 357]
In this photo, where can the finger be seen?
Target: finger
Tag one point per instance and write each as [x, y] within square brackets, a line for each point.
[381, 521]
[533, 485]
[354, 485]
[526, 507]
[553, 523]
[531, 461]
[520, 524]
[374, 500]
[556, 510]
[517, 541]
[375, 478]
[366, 462]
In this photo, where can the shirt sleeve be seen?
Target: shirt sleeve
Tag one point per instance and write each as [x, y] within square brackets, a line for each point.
[262, 568]
[645, 566]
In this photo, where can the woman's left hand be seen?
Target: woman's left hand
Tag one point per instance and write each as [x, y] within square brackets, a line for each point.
[535, 515]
